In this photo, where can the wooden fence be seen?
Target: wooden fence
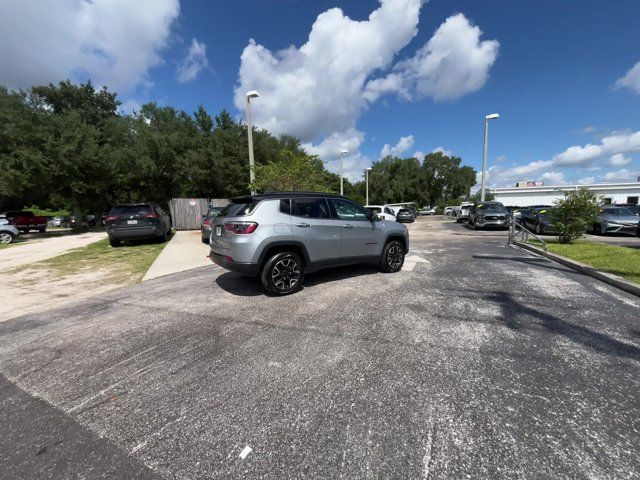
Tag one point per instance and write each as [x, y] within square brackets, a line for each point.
[186, 213]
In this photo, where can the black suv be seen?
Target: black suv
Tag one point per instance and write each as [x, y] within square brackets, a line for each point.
[137, 221]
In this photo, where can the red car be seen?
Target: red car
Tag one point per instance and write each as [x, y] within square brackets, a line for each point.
[24, 221]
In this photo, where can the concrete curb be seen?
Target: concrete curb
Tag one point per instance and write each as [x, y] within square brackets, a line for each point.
[609, 278]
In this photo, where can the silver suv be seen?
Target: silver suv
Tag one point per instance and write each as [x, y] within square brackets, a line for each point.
[281, 236]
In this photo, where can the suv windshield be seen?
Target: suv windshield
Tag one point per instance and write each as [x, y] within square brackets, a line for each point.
[214, 211]
[130, 210]
[491, 207]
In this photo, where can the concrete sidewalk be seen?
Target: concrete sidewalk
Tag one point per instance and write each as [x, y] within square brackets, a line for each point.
[184, 252]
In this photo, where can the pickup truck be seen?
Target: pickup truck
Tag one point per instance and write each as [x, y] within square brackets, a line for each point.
[24, 221]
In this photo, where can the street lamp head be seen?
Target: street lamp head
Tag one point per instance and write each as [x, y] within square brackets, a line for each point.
[344, 152]
[492, 116]
[252, 94]
[369, 169]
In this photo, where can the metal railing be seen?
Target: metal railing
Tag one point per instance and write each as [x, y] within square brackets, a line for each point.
[518, 230]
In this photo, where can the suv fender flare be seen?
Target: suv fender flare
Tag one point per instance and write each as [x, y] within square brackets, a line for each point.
[280, 245]
[395, 236]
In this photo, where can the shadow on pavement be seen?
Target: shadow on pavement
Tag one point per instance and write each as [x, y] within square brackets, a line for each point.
[243, 286]
[514, 315]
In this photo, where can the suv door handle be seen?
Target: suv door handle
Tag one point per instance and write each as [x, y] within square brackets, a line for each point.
[346, 225]
[302, 225]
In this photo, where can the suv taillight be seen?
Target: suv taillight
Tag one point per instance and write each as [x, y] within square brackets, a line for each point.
[112, 218]
[207, 221]
[151, 215]
[241, 228]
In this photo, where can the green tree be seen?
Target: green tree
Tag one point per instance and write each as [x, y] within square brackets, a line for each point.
[445, 179]
[575, 213]
[293, 171]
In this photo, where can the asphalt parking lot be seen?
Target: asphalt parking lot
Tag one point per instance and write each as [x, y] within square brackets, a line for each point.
[478, 361]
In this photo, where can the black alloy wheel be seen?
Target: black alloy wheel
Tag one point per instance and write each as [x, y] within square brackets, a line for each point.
[283, 273]
[392, 257]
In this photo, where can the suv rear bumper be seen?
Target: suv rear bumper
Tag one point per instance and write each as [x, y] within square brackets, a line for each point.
[132, 233]
[249, 269]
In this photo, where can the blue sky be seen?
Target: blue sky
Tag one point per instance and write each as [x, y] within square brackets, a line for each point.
[414, 77]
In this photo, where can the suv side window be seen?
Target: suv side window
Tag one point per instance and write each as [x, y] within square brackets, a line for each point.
[285, 206]
[310, 208]
[347, 210]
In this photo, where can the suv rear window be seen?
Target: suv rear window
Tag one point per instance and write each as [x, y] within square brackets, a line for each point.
[310, 208]
[238, 209]
[130, 210]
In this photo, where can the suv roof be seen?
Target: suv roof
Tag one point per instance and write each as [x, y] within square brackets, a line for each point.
[264, 196]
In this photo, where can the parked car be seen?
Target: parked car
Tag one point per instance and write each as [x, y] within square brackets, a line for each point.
[462, 212]
[538, 220]
[54, 222]
[383, 211]
[207, 220]
[404, 215]
[25, 220]
[68, 221]
[515, 212]
[281, 236]
[488, 214]
[137, 221]
[8, 232]
[449, 211]
[616, 220]
[427, 211]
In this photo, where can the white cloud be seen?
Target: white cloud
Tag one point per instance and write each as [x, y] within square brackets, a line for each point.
[329, 151]
[453, 63]
[586, 180]
[608, 146]
[502, 158]
[317, 89]
[553, 178]
[610, 149]
[195, 61]
[419, 154]
[404, 144]
[442, 151]
[619, 160]
[631, 80]
[114, 42]
[622, 175]
[129, 106]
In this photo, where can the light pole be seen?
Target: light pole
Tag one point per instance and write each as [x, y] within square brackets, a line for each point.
[342, 154]
[252, 176]
[366, 174]
[484, 152]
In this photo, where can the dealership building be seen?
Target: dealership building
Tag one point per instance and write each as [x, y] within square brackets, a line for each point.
[530, 193]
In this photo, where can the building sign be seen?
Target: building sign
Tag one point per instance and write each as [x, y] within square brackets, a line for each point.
[537, 183]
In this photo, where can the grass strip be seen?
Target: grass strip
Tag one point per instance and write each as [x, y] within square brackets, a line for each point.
[621, 261]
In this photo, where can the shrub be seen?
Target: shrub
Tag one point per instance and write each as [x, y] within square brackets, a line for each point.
[573, 214]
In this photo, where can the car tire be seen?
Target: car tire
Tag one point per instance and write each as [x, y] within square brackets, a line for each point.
[7, 237]
[538, 229]
[602, 230]
[392, 257]
[283, 273]
[114, 243]
[205, 240]
[42, 230]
